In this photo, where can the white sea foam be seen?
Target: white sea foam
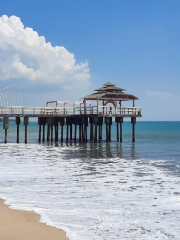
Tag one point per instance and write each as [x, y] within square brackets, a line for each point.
[91, 199]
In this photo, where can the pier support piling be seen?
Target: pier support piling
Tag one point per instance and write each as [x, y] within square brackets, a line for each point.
[84, 128]
[91, 128]
[95, 133]
[39, 123]
[18, 121]
[39, 133]
[75, 131]
[71, 132]
[80, 127]
[69, 122]
[108, 121]
[62, 125]
[67, 132]
[5, 139]
[43, 121]
[119, 121]
[6, 127]
[100, 123]
[43, 138]
[51, 132]
[117, 128]
[107, 133]
[120, 132]
[26, 123]
[76, 122]
[56, 128]
[133, 121]
[100, 132]
[48, 132]
[49, 128]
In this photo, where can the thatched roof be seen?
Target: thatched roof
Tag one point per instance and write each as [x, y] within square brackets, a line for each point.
[110, 91]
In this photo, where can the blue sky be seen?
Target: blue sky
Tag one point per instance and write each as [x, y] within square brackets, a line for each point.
[132, 43]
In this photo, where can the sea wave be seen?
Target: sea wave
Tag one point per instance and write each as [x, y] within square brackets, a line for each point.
[92, 198]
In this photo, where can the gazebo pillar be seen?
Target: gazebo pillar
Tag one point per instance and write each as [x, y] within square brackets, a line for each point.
[64, 108]
[120, 107]
[116, 106]
[97, 106]
[133, 106]
[103, 106]
[80, 108]
[85, 111]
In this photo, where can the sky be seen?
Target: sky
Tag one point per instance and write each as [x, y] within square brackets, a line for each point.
[64, 49]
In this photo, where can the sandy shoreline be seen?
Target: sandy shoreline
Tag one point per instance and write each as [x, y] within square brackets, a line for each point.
[24, 225]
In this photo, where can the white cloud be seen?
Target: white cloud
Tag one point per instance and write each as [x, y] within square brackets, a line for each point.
[159, 94]
[26, 55]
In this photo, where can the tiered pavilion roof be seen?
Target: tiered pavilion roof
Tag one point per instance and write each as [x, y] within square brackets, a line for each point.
[109, 91]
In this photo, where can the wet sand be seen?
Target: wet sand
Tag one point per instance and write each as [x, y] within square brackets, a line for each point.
[25, 225]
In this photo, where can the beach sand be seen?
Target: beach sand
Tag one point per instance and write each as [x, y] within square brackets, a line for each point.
[24, 225]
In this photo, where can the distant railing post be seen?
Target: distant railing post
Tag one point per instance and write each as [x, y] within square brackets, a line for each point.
[55, 111]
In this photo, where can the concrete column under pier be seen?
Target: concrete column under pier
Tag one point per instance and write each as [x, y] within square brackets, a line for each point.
[39, 123]
[43, 138]
[80, 127]
[100, 123]
[61, 120]
[18, 121]
[84, 127]
[91, 128]
[26, 123]
[43, 122]
[71, 131]
[133, 121]
[75, 131]
[49, 124]
[119, 121]
[56, 128]
[117, 129]
[108, 121]
[68, 123]
[5, 127]
[67, 132]
[76, 122]
[51, 132]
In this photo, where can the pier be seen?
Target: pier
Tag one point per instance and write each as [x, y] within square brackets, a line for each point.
[75, 117]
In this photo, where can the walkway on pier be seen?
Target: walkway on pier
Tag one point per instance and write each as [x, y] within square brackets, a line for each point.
[78, 114]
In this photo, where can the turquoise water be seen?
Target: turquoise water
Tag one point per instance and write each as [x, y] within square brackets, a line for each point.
[98, 191]
[153, 139]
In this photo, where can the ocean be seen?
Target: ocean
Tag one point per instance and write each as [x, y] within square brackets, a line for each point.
[98, 191]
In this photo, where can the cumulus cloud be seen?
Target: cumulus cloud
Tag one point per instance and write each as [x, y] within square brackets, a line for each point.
[26, 55]
[159, 94]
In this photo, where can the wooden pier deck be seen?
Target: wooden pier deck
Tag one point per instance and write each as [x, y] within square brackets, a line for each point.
[108, 100]
[53, 117]
[101, 111]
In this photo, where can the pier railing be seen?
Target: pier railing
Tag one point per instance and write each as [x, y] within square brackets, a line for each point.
[100, 110]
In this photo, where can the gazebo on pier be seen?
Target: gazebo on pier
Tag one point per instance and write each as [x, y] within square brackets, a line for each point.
[109, 93]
